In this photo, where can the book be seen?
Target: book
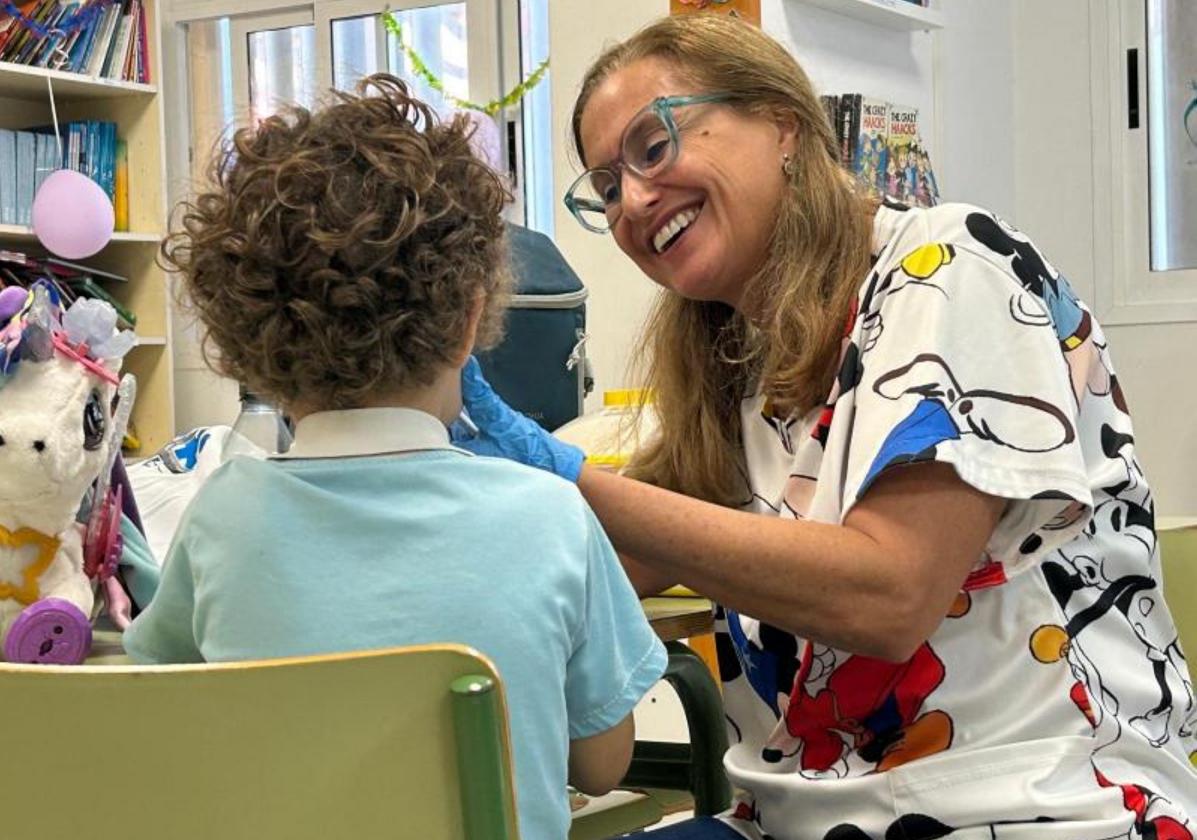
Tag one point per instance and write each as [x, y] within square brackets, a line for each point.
[26, 173]
[63, 268]
[869, 159]
[120, 197]
[106, 28]
[115, 62]
[831, 106]
[44, 159]
[903, 150]
[143, 49]
[101, 38]
[849, 126]
[881, 144]
[8, 177]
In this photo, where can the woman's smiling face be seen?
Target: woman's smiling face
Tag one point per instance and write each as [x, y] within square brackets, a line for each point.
[723, 191]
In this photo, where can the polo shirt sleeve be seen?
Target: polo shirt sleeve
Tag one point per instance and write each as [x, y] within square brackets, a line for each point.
[164, 632]
[616, 656]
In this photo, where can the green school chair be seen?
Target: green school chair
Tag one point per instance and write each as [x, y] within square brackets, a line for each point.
[400, 743]
[1178, 564]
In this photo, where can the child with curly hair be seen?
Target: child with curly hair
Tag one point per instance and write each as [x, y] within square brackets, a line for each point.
[344, 263]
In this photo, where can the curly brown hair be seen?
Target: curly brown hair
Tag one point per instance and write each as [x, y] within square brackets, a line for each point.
[338, 254]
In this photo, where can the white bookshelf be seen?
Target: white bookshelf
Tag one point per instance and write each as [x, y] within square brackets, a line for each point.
[23, 234]
[891, 14]
[19, 81]
[137, 111]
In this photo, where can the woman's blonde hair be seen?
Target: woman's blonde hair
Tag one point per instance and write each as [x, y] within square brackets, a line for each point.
[702, 358]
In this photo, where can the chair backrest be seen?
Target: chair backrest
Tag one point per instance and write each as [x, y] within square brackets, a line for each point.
[402, 743]
[1178, 562]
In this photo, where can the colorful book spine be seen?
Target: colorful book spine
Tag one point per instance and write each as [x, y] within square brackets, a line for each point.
[849, 126]
[107, 38]
[8, 177]
[120, 200]
[26, 171]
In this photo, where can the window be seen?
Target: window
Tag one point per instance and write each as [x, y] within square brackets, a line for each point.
[241, 68]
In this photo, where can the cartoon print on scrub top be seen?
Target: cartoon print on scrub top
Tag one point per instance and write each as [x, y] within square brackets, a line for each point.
[1072, 322]
[1098, 579]
[950, 409]
[873, 708]
[828, 714]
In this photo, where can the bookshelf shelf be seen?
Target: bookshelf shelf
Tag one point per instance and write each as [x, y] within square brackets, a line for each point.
[891, 14]
[137, 111]
[19, 233]
[29, 83]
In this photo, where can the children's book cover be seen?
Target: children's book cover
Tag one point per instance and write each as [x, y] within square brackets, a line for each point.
[901, 167]
[869, 160]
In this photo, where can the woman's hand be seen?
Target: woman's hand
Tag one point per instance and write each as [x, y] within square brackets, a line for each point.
[505, 433]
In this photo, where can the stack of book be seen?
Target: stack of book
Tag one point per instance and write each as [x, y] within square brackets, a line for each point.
[880, 142]
[71, 280]
[27, 157]
[101, 38]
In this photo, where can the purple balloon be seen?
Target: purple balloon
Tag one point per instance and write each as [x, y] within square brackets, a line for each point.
[72, 216]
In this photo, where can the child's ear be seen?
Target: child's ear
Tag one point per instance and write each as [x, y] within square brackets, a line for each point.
[471, 329]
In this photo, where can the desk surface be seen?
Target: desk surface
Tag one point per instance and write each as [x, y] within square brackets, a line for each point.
[679, 618]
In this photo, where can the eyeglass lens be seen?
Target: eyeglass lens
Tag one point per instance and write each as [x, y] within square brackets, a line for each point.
[648, 149]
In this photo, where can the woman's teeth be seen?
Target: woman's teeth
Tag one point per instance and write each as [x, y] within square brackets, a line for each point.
[673, 227]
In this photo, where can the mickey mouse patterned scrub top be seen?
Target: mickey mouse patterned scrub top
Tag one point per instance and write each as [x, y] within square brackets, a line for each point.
[1053, 703]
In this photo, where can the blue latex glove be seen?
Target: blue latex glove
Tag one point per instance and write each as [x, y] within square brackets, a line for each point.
[505, 433]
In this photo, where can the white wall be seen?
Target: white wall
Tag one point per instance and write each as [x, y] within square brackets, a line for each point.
[1053, 159]
[974, 159]
[620, 295]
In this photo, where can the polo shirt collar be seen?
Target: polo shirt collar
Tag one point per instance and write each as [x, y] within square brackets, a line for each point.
[360, 432]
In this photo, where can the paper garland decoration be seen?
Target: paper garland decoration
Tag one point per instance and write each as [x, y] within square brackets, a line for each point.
[421, 69]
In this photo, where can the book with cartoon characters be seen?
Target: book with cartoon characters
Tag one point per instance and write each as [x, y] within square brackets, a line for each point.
[902, 150]
[880, 143]
[868, 161]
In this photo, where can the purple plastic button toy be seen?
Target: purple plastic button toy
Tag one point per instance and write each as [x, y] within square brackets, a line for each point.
[49, 632]
[12, 299]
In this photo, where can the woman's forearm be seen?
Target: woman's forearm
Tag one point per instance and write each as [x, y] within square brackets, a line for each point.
[878, 589]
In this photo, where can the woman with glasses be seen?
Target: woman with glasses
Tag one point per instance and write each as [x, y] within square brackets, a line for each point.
[895, 453]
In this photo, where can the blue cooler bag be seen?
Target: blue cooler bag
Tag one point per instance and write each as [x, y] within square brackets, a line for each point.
[540, 367]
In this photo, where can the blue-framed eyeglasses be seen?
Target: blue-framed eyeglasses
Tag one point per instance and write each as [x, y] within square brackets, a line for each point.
[649, 146]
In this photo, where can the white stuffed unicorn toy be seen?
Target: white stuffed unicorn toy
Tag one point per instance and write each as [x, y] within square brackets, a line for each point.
[58, 381]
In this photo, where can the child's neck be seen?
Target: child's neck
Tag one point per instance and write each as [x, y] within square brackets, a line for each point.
[441, 399]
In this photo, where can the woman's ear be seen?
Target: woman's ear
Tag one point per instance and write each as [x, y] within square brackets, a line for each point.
[787, 132]
[471, 329]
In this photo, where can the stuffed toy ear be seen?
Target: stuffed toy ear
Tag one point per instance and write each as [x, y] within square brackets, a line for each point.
[37, 338]
[93, 322]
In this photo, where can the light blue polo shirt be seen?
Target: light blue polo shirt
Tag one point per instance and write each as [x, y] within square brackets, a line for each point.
[375, 532]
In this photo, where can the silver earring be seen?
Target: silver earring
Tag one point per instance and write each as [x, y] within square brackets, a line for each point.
[788, 166]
